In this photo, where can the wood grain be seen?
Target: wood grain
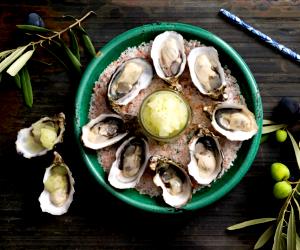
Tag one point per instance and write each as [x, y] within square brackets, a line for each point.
[96, 220]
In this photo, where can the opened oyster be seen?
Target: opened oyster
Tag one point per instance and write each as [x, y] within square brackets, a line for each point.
[173, 180]
[58, 188]
[103, 131]
[234, 121]
[131, 160]
[168, 56]
[206, 157]
[41, 136]
[128, 80]
[206, 71]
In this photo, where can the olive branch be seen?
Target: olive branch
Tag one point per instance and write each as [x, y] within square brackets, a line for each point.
[283, 228]
[15, 60]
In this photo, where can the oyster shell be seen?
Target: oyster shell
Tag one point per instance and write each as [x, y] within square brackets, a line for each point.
[234, 121]
[103, 131]
[168, 56]
[173, 180]
[131, 160]
[206, 157]
[206, 71]
[58, 192]
[41, 136]
[128, 80]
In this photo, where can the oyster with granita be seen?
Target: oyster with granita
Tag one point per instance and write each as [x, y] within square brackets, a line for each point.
[206, 157]
[103, 131]
[168, 56]
[41, 136]
[172, 179]
[58, 192]
[206, 71]
[131, 160]
[128, 80]
[234, 121]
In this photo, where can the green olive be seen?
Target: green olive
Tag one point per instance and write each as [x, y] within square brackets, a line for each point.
[279, 171]
[282, 190]
[281, 135]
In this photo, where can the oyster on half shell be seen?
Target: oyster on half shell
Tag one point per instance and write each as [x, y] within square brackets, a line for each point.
[131, 160]
[168, 55]
[58, 192]
[173, 180]
[206, 71]
[206, 157]
[41, 136]
[128, 80]
[234, 121]
[103, 131]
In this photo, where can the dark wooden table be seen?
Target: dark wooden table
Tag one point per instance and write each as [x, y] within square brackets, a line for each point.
[96, 220]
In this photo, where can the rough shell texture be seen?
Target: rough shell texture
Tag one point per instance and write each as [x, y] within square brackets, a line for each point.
[143, 81]
[234, 135]
[116, 177]
[44, 199]
[156, 53]
[205, 176]
[179, 199]
[29, 147]
[212, 54]
[86, 131]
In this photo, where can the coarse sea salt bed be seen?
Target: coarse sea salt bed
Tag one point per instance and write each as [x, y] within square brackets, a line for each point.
[177, 150]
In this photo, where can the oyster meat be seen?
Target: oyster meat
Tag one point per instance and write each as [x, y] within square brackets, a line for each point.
[206, 71]
[103, 131]
[173, 180]
[128, 80]
[41, 136]
[206, 157]
[168, 56]
[58, 192]
[131, 160]
[234, 121]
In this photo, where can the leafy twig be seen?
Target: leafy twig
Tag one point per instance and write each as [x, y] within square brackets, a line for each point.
[285, 236]
[17, 58]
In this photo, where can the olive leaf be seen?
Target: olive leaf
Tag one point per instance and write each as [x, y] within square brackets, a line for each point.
[264, 238]
[72, 58]
[297, 205]
[19, 63]
[26, 86]
[272, 128]
[250, 223]
[296, 148]
[74, 44]
[268, 122]
[291, 231]
[33, 28]
[277, 236]
[17, 80]
[5, 53]
[87, 43]
[297, 242]
[283, 245]
[12, 57]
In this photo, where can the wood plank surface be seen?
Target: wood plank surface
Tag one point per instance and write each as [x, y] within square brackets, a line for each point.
[96, 220]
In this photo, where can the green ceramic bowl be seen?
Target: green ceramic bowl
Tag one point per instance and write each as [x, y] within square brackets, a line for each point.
[228, 56]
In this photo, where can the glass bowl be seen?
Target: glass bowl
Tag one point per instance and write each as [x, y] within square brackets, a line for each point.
[148, 128]
[228, 56]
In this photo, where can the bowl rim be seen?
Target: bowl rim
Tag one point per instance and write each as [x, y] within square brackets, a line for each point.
[254, 96]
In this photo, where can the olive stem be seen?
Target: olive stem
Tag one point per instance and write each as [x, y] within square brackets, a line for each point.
[59, 33]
